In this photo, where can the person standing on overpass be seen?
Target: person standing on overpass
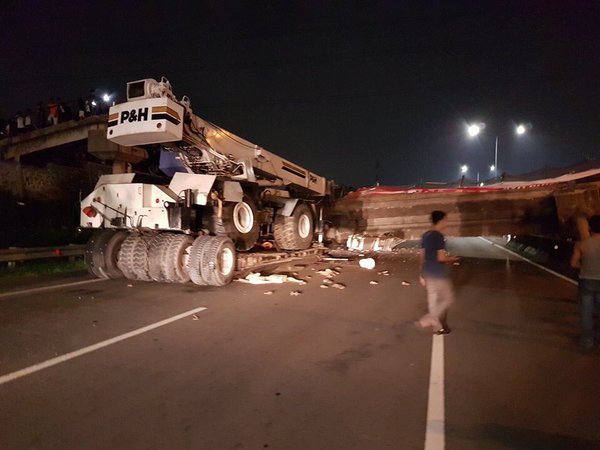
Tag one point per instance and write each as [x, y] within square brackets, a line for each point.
[435, 275]
[586, 258]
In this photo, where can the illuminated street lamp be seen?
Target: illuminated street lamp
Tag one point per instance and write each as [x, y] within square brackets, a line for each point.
[473, 130]
[464, 169]
[106, 98]
[476, 128]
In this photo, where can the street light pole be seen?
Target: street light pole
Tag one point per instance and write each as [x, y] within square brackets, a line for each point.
[476, 128]
[496, 158]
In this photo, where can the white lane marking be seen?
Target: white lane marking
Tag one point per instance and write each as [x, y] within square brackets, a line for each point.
[435, 432]
[54, 286]
[67, 356]
[559, 275]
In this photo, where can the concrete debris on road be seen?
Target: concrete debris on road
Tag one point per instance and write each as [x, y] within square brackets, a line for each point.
[405, 283]
[373, 282]
[295, 293]
[384, 273]
[269, 292]
[367, 263]
[361, 242]
[130, 285]
[275, 278]
[338, 286]
[323, 286]
[327, 282]
[329, 273]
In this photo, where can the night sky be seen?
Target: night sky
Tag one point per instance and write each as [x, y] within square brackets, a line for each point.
[337, 89]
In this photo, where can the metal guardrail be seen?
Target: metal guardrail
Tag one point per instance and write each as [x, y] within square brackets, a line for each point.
[15, 254]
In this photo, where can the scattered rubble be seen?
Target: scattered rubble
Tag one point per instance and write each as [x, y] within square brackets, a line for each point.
[269, 292]
[329, 273]
[405, 283]
[295, 293]
[384, 272]
[367, 263]
[275, 278]
[338, 286]
[327, 281]
[373, 282]
[385, 243]
[130, 285]
[323, 286]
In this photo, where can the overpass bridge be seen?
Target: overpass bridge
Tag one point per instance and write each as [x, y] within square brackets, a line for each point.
[89, 134]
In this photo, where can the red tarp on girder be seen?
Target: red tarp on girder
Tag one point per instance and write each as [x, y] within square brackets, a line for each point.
[496, 187]
[383, 190]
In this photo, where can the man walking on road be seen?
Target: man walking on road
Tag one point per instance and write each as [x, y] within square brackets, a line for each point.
[586, 258]
[435, 276]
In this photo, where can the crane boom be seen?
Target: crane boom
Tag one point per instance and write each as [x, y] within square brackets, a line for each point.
[152, 115]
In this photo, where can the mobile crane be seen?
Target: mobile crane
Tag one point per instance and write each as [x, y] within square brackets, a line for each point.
[224, 195]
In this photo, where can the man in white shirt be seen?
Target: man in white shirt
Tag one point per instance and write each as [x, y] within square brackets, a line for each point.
[586, 258]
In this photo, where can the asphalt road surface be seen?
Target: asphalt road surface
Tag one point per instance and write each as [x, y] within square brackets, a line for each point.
[326, 369]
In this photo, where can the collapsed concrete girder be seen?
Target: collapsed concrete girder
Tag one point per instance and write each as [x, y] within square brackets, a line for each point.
[406, 215]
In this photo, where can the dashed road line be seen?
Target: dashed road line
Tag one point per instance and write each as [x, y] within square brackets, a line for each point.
[53, 286]
[83, 351]
[435, 438]
[559, 275]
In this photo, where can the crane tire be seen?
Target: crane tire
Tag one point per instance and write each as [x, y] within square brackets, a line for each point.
[157, 246]
[296, 231]
[176, 256]
[240, 223]
[194, 264]
[133, 258]
[94, 256]
[101, 254]
[218, 261]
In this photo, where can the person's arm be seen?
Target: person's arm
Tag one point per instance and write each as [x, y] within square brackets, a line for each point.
[421, 264]
[576, 258]
[443, 257]
[442, 254]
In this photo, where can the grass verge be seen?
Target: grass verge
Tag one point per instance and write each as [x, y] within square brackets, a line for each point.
[39, 270]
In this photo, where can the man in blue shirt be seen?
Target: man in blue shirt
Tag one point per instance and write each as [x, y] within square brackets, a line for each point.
[435, 276]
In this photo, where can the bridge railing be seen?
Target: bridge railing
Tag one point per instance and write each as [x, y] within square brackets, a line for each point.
[39, 118]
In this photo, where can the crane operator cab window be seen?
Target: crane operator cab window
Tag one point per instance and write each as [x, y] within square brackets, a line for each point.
[136, 90]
